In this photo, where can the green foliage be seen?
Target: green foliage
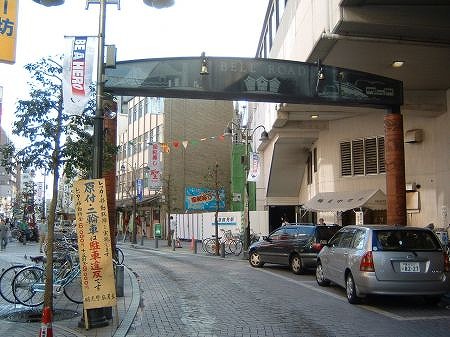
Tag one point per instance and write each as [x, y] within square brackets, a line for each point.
[53, 137]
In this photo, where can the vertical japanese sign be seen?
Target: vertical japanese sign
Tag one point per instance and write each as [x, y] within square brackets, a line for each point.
[8, 30]
[155, 166]
[77, 72]
[94, 244]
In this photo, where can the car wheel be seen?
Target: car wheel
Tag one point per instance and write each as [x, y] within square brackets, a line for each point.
[255, 260]
[321, 280]
[351, 290]
[432, 299]
[296, 264]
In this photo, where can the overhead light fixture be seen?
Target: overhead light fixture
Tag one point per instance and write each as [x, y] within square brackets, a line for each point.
[397, 64]
[204, 66]
[264, 136]
[314, 116]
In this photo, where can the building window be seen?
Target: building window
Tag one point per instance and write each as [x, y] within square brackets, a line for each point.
[362, 156]
[141, 108]
[134, 113]
[139, 144]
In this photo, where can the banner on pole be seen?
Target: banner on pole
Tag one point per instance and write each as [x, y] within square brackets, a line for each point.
[77, 72]
[94, 244]
[155, 166]
[254, 166]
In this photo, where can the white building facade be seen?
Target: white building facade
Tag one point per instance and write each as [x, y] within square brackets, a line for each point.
[315, 149]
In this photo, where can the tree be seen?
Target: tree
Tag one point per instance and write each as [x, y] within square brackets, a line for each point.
[55, 140]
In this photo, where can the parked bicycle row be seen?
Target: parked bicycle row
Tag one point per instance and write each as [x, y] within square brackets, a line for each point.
[24, 283]
[232, 243]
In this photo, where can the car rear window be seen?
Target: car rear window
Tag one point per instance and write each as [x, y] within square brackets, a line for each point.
[326, 232]
[405, 240]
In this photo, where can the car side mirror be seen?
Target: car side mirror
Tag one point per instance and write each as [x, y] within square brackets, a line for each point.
[266, 238]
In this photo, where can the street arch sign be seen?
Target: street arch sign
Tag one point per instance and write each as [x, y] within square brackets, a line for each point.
[261, 80]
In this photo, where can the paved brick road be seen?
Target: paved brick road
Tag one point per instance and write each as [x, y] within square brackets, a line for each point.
[188, 295]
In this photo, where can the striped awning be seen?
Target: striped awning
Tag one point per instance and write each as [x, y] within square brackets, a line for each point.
[343, 201]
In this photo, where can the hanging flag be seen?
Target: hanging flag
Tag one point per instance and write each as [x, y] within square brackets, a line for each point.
[176, 144]
[77, 72]
[254, 167]
[185, 143]
[165, 148]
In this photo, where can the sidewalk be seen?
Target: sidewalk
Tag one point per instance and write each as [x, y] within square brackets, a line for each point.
[19, 321]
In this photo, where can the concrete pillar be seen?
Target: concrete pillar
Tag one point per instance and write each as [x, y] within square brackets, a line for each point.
[395, 168]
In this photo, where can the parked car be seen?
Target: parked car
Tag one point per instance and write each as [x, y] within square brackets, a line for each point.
[294, 245]
[385, 260]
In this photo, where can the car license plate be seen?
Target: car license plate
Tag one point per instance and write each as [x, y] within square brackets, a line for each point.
[409, 267]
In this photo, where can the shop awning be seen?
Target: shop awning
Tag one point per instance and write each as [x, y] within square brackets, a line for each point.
[343, 201]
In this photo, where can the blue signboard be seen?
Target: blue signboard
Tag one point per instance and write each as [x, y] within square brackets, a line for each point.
[201, 198]
[139, 189]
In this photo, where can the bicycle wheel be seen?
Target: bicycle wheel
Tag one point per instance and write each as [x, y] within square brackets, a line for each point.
[72, 290]
[6, 283]
[210, 246]
[119, 256]
[237, 247]
[29, 285]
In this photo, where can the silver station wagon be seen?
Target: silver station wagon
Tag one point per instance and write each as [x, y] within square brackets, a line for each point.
[385, 260]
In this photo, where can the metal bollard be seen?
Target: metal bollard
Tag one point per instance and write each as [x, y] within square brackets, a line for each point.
[195, 246]
[156, 242]
[222, 249]
[119, 279]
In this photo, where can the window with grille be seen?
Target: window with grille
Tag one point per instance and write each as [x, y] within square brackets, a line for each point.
[362, 156]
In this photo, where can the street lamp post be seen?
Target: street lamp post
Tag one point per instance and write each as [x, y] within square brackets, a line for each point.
[246, 133]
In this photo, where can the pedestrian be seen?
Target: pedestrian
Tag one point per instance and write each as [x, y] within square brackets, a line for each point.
[43, 230]
[3, 234]
[23, 226]
[284, 222]
[172, 227]
[322, 222]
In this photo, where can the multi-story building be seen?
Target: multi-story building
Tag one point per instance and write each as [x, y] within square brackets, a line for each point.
[186, 137]
[316, 149]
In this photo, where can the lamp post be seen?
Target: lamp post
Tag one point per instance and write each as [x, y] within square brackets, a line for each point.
[247, 134]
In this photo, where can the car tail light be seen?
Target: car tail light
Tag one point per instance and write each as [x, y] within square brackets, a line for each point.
[317, 247]
[367, 262]
[446, 263]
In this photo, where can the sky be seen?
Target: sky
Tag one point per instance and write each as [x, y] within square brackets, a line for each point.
[188, 28]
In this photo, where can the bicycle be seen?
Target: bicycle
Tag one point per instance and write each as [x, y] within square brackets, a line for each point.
[232, 243]
[28, 284]
[6, 282]
[119, 256]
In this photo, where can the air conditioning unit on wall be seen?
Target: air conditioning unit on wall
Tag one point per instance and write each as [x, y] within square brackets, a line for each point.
[414, 136]
[411, 186]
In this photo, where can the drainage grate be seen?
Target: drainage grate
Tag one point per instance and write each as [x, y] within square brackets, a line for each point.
[32, 315]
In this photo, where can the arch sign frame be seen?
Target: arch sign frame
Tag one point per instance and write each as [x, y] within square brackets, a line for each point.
[260, 80]
[277, 81]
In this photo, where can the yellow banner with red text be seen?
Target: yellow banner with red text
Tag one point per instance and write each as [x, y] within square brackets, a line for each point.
[94, 243]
